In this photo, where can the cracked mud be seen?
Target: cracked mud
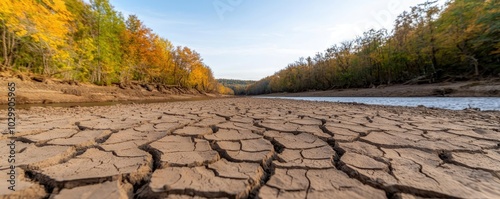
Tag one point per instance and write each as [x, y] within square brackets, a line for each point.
[254, 148]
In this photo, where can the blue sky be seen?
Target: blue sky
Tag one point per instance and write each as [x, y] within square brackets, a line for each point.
[252, 39]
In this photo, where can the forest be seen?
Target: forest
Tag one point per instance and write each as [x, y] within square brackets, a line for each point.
[238, 86]
[94, 43]
[429, 43]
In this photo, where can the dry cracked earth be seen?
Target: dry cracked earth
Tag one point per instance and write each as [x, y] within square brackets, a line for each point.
[253, 148]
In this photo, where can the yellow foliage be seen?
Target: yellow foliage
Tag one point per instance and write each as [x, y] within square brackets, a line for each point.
[43, 21]
[221, 89]
[92, 42]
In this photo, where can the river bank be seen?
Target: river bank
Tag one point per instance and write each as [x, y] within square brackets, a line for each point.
[246, 148]
[49, 91]
[485, 88]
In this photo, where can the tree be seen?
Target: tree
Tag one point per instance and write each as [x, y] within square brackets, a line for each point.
[81, 44]
[36, 26]
[137, 45]
[428, 44]
[108, 27]
[92, 42]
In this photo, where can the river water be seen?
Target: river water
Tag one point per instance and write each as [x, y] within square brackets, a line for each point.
[452, 103]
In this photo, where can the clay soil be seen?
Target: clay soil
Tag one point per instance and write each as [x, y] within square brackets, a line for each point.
[252, 148]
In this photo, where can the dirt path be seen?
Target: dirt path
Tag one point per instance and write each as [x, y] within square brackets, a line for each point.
[246, 148]
[490, 88]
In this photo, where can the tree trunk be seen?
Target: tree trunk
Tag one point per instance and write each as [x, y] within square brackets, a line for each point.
[8, 44]
[4, 43]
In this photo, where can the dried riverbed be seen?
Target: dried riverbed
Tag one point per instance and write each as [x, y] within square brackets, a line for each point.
[247, 148]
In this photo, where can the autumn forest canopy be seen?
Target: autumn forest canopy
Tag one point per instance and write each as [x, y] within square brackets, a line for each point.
[459, 41]
[94, 43]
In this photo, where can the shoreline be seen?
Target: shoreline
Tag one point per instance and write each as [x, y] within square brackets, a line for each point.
[54, 91]
[107, 103]
[485, 88]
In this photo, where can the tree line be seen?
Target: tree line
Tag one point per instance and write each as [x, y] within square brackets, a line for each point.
[92, 42]
[458, 41]
[238, 86]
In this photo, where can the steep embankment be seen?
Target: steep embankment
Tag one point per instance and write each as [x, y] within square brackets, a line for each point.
[30, 90]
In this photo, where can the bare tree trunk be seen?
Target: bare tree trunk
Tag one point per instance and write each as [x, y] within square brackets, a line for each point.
[474, 62]
[4, 43]
[175, 75]
[12, 48]
[45, 64]
[8, 44]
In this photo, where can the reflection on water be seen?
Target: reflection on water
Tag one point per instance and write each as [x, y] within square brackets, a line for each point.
[452, 103]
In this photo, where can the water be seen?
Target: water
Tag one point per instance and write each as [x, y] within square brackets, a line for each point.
[452, 103]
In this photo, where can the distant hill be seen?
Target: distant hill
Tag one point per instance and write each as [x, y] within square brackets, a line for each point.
[239, 86]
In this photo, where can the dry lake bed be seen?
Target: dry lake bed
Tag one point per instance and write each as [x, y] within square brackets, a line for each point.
[251, 148]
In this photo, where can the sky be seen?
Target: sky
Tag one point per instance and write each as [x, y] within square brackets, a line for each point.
[252, 39]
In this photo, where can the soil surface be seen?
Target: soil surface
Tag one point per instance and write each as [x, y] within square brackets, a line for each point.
[487, 88]
[252, 148]
[33, 90]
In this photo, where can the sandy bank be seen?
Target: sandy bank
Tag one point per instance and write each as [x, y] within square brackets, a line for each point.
[490, 88]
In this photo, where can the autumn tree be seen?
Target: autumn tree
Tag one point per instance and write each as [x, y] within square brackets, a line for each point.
[428, 44]
[92, 42]
[39, 28]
